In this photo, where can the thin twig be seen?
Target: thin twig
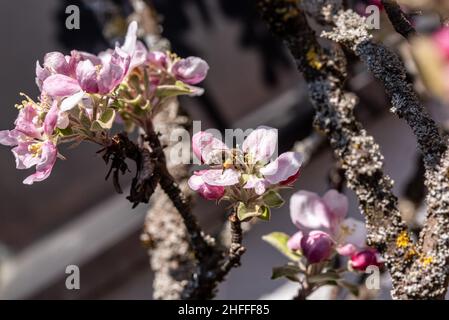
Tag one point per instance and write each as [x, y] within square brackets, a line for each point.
[398, 19]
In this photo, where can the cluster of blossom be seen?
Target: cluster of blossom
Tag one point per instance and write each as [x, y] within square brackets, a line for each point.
[247, 176]
[83, 95]
[324, 230]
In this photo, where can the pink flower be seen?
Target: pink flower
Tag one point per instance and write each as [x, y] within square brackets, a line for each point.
[86, 73]
[207, 191]
[46, 157]
[310, 213]
[31, 139]
[363, 259]
[191, 70]
[441, 38]
[252, 162]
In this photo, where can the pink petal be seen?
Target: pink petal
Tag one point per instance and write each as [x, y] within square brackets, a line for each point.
[70, 102]
[58, 85]
[157, 59]
[284, 167]
[130, 40]
[25, 121]
[258, 184]
[308, 212]
[139, 56]
[56, 63]
[9, 137]
[86, 73]
[114, 69]
[352, 231]
[51, 119]
[441, 39]
[346, 250]
[191, 70]
[205, 146]
[218, 177]
[337, 204]
[261, 143]
[294, 243]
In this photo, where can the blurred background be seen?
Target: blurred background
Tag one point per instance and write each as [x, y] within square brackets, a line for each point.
[74, 217]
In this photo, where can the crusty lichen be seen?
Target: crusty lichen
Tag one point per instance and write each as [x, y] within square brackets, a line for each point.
[427, 277]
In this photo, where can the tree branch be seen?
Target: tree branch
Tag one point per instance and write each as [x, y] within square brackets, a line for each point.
[398, 19]
[325, 73]
[428, 276]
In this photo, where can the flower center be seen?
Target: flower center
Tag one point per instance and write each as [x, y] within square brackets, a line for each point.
[35, 148]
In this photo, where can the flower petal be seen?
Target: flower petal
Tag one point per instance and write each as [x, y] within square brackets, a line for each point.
[86, 73]
[51, 119]
[218, 177]
[308, 212]
[352, 231]
[59, 85]
[294, 243]
[337, 203]
[70, 102]
[205, 147]
[9, 137]
[258, 184]
[284, 167]
[261, 143]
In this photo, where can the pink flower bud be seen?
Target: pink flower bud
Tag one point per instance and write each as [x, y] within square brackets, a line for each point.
[191, 70]
[362, 259]
[316, 246]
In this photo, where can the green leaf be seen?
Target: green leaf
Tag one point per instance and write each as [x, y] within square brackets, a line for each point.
[354, 289]
[105, 121]
[84, 120]
[279, 241]
[288, 271]
[273, 199]
[65, 132]
[324, 277]
[245, 213]
[266, 214]
[179, 88]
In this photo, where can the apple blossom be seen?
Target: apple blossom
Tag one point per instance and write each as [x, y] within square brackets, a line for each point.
[82, 94]
[325, 215]
[247, 175]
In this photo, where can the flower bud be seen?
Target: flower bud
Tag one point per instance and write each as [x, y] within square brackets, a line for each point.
[191, 70]
[362, 259]
[316, 246]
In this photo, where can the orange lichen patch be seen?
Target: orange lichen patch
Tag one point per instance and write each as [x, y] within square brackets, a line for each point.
[425, 261]
[410, 254]
[403, 240]
[313, 59]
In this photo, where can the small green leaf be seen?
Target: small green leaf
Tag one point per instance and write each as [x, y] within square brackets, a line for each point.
[105, 121]
[65, 132]
[179, 88]
[279, 241]
[246, 213]
[84, 120]
[266, 214]
[273, 199]
[324, 277]
[288, 271]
